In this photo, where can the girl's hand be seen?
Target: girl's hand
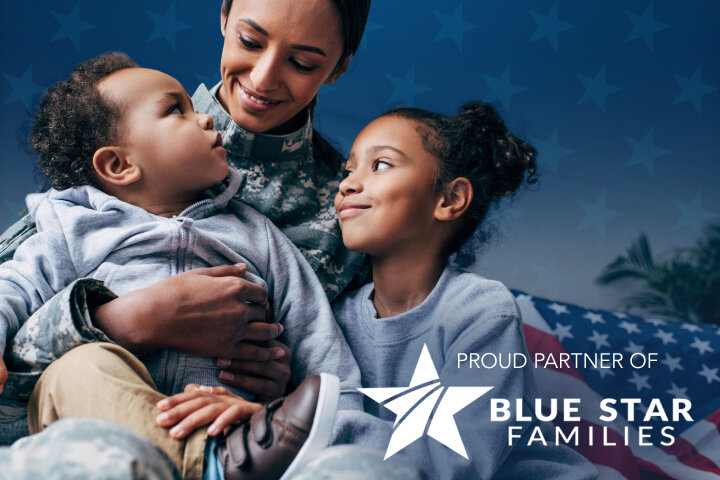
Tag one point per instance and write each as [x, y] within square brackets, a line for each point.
[198, 406]
[263, 370]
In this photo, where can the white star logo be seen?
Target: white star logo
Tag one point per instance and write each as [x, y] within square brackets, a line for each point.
[415, 403]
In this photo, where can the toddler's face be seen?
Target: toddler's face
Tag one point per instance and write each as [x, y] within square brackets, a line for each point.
[176, 148]
[387, 200]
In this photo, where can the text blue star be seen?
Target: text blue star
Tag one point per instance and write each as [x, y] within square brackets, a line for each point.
[549, 26]
[693, 89]
[645, 152]
[167, 25]
[550, 152]
[693, 216]
[71, 26]
[501, 89]
[597, 89]
[645, 26]
[23, 89]
[453, 26]
[405, 90]
[597, 215]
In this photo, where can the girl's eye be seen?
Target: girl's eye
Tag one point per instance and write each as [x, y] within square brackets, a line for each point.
[175, 109]
[302, 67]
[381, 165]
[249, 43]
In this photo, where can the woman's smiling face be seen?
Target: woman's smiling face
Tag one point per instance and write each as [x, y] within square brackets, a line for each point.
[387, 200]
[276, 55]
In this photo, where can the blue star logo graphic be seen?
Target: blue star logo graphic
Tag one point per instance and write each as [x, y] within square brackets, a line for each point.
[501, 89]
[166, 25]
[645, 26]
[693, 215]
[71, 27]
[693, 90]
[453, 26]
[597, 215]
[405, 89]
[550, 152]
[597, 89]
[645, 152]
[23, 89]
[549, 26]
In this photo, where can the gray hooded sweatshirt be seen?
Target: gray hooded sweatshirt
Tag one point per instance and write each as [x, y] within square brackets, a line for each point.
[86, 233]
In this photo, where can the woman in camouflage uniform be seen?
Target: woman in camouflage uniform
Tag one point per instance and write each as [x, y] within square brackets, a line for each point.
[276, 55]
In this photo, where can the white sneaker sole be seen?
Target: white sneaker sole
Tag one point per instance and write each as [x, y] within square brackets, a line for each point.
[322, 426]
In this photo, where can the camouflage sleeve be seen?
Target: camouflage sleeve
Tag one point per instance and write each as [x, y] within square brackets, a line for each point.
[63, 323]
[85, 448]
[60, 325]
[14, 236]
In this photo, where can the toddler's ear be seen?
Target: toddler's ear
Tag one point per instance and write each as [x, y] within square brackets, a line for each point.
[112, 167]
[455, 200]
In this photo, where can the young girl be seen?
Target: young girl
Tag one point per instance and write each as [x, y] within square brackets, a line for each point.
[418, 188]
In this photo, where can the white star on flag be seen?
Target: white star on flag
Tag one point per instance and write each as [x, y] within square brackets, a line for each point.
[640, 381]
[710, 374]
[690, 327]
[563, 331]
[414, 407]
[655, 321]
[594, 317]
[599, 339]
[634, 348]
[703, 346]
[677, 392]
[558, 309]
[629, 327]
[673, 363]
[665, 337]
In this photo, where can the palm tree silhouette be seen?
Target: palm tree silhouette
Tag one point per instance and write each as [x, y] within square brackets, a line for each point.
[684, 287]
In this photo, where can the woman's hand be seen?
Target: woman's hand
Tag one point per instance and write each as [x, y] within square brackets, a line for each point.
[198, 406]
[263, 370]
[206, 312]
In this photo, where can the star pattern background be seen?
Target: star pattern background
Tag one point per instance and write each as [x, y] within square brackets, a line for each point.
[621, 98]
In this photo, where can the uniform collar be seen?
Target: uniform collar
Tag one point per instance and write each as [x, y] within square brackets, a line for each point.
[240, 141]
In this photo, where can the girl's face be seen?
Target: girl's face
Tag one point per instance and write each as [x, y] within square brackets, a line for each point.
[388, 199]
[276, 55]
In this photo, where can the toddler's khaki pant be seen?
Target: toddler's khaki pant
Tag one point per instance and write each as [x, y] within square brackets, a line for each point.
[105, 381]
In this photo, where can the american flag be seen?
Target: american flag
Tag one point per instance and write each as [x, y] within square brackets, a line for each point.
[688, 367]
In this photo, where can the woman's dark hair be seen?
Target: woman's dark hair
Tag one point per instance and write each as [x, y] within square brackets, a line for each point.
[73, 121]
[353, 18]
[477, 145]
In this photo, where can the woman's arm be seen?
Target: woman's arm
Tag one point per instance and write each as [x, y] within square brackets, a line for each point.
[207, 312]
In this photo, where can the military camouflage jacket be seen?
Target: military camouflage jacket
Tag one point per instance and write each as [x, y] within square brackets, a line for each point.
[281, 178]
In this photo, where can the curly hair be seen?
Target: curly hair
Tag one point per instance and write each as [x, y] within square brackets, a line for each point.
[475, 144]
[74, 120]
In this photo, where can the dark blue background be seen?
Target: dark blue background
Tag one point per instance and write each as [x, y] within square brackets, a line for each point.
[621, 98]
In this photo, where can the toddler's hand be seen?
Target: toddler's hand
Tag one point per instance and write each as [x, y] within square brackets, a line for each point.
[3, 374]
[198, 406]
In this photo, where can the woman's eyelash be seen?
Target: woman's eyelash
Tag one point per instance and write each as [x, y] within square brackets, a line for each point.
[247, 43]
[301, 67]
